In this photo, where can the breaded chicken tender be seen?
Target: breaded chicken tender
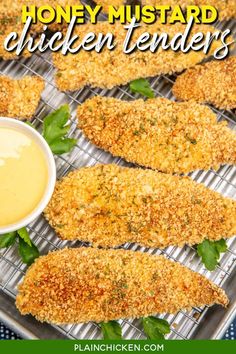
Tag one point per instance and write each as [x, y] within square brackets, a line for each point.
[12, 9]
[167, 136]
[19, 98]
[108, 205]
[113, 67]
[13, 25]
[86, 284]
[213, 82]
[10, 21]
[226, 8]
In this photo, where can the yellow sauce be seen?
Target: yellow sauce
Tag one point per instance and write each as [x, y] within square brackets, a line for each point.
[23, 175]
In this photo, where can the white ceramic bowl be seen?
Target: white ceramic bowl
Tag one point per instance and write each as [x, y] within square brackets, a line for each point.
[23, 127]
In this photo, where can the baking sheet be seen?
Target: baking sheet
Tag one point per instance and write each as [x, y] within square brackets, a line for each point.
[198, 323]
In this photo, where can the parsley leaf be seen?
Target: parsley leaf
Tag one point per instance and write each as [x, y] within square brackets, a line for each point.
[55, 129]
[23, 233]
[28, 253]
[221, 246]
[61, 146]
[8, 239]
[143, 87]
[155, 328]
[27, 250]
[209, 252]
[111, 330]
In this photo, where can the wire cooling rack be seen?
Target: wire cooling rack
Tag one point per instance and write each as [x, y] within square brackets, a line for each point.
[184, 325]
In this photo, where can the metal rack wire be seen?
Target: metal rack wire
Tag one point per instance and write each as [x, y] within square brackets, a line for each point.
[12, 270]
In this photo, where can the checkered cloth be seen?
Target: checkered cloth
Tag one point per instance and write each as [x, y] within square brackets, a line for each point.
[6, 333]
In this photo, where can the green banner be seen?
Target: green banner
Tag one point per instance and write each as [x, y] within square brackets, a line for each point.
[125, 346]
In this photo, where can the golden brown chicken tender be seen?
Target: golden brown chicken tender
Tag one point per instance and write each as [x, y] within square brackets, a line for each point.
[12, 9]
[19, 98]
[85, 284]
[167, 136]
[10, 21]
[213, 82]
[13, 25]
[108, 205]
[113, 67]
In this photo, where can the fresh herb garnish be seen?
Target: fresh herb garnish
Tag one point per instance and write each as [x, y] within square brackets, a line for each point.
[27, 250]
[143, 87]
[55, 130]
[62, 146]
[28, 253]
[111, 330]
[8, 239]
[155, 328]
[210, 251]
[24, 235]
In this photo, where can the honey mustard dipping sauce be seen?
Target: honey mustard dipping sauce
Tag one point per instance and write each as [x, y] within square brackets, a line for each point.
[23, 175]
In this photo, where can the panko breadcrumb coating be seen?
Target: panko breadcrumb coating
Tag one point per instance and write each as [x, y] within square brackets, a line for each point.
[108, 205]
[85, 284]
[19, 98]
[213, 82]
[110, 68]
[226, 8]
[13, 25]
[158, 133]
[10, 21]
[12, 9]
